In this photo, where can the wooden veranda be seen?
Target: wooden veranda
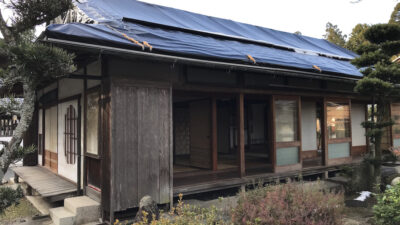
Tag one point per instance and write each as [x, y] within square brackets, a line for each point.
[47, 184]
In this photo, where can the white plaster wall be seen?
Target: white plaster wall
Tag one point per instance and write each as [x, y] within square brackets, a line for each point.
[357, 131]
[308, 125]
[94, 68]
[66, 170]
[69, 87]
[93, 83]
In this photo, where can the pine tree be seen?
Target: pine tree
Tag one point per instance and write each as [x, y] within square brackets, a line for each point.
[395, 17]
[334, 34]
[379, 81]
[357, 37]
[29, 63]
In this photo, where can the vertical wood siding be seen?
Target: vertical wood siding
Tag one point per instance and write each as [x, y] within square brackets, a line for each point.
[140, 144]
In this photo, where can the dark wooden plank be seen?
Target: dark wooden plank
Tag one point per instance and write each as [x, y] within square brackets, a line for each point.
[299, 130]
[240, 125]
[148, 144]
[106, 147]
[324, 130]
[141, 155]
[350, 129]
[214, 134]
[165, 121]
[273, 133]
[125, 145]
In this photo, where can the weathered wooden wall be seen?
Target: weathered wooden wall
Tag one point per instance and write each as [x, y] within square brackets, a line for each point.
[141, 143]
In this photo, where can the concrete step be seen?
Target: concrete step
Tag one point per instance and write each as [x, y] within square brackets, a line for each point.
[85, 209]
[339, 180]
[61, 216]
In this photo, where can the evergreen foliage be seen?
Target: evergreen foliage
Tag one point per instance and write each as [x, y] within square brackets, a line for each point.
[395, 17]
[334, 34]
[29, 63]
[381, 76]
[9, 196]
[357, 38]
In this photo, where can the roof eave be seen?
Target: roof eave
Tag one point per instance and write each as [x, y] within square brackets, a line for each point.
[196, 61]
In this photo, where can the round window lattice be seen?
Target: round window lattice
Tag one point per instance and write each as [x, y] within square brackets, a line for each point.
[70, 133]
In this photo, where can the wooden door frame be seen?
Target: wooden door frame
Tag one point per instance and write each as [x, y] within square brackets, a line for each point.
[343, 160]
[94, 191]
[297, 143]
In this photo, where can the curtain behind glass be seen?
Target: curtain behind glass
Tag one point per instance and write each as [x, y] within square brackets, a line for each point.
[286, 120]
[338, 120]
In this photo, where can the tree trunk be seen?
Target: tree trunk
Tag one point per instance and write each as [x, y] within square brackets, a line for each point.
[377, 164]
[27, 110]
[381, 109]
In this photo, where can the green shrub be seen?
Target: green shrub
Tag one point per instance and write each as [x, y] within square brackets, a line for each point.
[9, 196]
[387, 209]
[184, 214]
[297, 204]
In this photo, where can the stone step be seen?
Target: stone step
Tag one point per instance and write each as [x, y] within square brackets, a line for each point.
[61, 216]
[85, 209]
[339, 180]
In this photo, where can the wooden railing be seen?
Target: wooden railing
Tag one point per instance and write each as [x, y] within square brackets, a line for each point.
[7, 127]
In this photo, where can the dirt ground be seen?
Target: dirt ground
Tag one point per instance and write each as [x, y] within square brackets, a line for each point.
[19, 213]
[358, 216]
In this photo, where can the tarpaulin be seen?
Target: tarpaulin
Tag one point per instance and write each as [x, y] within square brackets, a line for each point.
[234, 40]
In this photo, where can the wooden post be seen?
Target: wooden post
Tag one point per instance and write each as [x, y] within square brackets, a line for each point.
[324, 130]
[300, 160]
[273, 133]
[240, 126]
[350, 130]
[214, 135]
[79, 169]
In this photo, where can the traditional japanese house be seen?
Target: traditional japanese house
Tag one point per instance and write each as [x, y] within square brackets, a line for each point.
[166, 101]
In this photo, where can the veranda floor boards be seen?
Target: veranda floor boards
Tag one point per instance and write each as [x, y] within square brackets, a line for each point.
[45, 182]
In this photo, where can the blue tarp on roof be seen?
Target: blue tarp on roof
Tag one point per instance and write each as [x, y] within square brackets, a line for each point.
[248, 40]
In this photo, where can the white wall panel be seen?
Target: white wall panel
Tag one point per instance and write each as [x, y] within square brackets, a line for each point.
[66, 170]
[357, 131]
[69, 87]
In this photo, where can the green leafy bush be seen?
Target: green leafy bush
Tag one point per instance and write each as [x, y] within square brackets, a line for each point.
[9, 196]
[387, 209]
[297, 204]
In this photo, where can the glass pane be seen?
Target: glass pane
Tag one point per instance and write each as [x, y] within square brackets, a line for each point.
[92, 123]
[396, 118]
[287, 156]
[286, 120]
[396, 142]
[339, 150]
[338, 120]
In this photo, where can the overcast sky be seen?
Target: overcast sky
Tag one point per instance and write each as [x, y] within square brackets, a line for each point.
[307, 16]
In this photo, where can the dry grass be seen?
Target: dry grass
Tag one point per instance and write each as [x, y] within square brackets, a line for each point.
[18, 211]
